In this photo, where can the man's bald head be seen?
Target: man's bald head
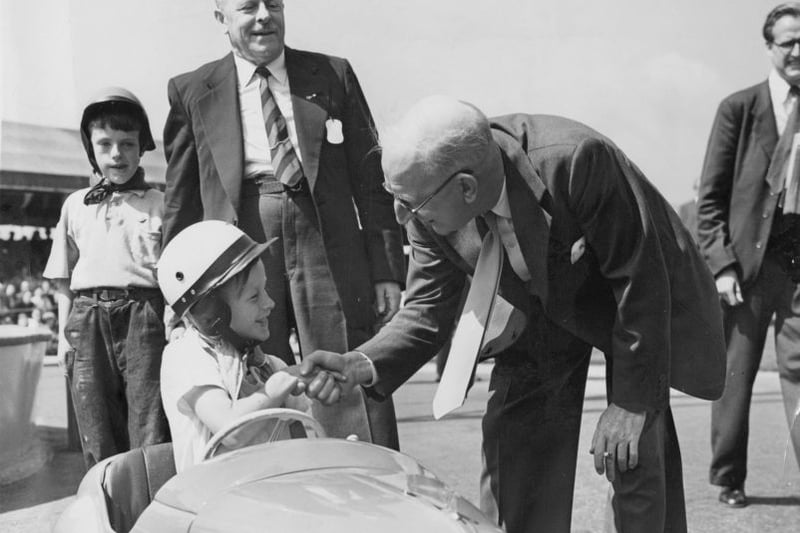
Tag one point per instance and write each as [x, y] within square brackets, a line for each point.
[438, 136]
[442, 164]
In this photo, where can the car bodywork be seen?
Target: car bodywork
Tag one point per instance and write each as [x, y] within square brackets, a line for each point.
[330, 485]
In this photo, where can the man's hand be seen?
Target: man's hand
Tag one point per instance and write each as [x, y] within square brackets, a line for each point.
[353, 366]
[728, 287]
[387, 300]
[616, 439]
[317, 383]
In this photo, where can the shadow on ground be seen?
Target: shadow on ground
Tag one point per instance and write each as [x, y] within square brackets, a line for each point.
[779, 500]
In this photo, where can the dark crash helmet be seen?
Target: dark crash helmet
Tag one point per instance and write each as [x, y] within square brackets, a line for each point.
[110, 99]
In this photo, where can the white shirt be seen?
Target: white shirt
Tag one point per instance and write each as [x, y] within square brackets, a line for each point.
[115, 243]
[505, 227]
[257, 158]
[782, 101]
[191, 362]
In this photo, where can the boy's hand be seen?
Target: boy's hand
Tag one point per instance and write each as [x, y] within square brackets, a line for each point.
[280, 384]
[354, 366]
[317, 384]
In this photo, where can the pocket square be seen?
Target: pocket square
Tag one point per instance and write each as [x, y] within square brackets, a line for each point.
[577, 250]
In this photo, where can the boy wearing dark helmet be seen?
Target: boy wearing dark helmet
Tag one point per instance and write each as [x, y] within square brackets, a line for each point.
[105, 249]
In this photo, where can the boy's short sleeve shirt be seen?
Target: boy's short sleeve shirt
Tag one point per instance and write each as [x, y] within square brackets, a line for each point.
[115, 243]
[186, 365]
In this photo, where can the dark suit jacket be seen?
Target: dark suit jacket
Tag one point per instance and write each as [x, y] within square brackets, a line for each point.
[205, 155]
[687, 212]
[736, 205]
[641, 292]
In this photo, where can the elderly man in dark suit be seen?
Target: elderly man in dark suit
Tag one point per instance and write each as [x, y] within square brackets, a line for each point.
[752, 244]
[282, 143]
[595, 257]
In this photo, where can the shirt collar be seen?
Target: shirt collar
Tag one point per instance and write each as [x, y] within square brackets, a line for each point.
[245, 70]
[137, 192]
[502, 208]
[778, 87]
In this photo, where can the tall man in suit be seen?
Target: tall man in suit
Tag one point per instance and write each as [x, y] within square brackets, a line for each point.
[281, 142]
[752, 246]
[595, 257]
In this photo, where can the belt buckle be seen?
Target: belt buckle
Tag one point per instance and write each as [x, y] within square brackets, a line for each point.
[297, 187]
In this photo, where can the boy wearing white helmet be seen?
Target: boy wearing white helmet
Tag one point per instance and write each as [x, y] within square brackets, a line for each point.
[103, 259]
[211, 276]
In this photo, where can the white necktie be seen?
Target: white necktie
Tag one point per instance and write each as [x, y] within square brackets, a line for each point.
[471, 329]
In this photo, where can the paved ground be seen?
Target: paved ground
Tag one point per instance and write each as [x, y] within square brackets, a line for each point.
[450, 448]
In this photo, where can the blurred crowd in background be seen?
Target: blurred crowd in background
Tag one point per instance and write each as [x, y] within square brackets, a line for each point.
[30, 303]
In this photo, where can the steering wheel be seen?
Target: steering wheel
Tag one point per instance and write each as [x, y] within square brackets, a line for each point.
[282, 416]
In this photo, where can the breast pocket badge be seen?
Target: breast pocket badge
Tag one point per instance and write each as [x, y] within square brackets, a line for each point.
[333, 129]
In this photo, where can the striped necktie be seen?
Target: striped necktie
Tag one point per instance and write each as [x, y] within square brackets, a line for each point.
[285, 162]
[791, 200]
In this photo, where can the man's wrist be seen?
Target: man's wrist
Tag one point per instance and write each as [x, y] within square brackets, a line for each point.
[365, 370]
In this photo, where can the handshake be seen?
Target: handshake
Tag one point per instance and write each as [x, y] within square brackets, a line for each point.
[328, 376]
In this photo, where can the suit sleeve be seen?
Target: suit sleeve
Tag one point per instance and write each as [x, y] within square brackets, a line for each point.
[182, 203]
[419, 330]
[608, 196]
[716, 183]
[383, 235]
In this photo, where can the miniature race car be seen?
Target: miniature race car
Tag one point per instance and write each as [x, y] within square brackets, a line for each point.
[292, 485]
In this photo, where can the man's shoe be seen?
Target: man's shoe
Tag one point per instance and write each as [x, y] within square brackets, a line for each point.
[733, 497]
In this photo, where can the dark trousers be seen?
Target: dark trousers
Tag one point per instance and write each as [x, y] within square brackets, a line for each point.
[114, 374]
[746, 325]
[530, 445]
[306, 299]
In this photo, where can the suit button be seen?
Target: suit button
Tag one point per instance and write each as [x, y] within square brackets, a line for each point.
[765, 214]
[772, 194]
[758, 245]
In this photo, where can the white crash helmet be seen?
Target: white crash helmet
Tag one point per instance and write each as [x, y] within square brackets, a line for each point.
[202, 257]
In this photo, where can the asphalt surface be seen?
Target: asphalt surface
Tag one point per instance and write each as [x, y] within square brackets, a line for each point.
[450, 447]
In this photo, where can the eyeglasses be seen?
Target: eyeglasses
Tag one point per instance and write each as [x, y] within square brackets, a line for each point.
[414, 210]
[787, 46]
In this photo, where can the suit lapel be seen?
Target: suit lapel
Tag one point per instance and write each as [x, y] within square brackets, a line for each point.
[465, 244]
[222, 123]
[309, 88]
[526, 193]
[764, 128]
